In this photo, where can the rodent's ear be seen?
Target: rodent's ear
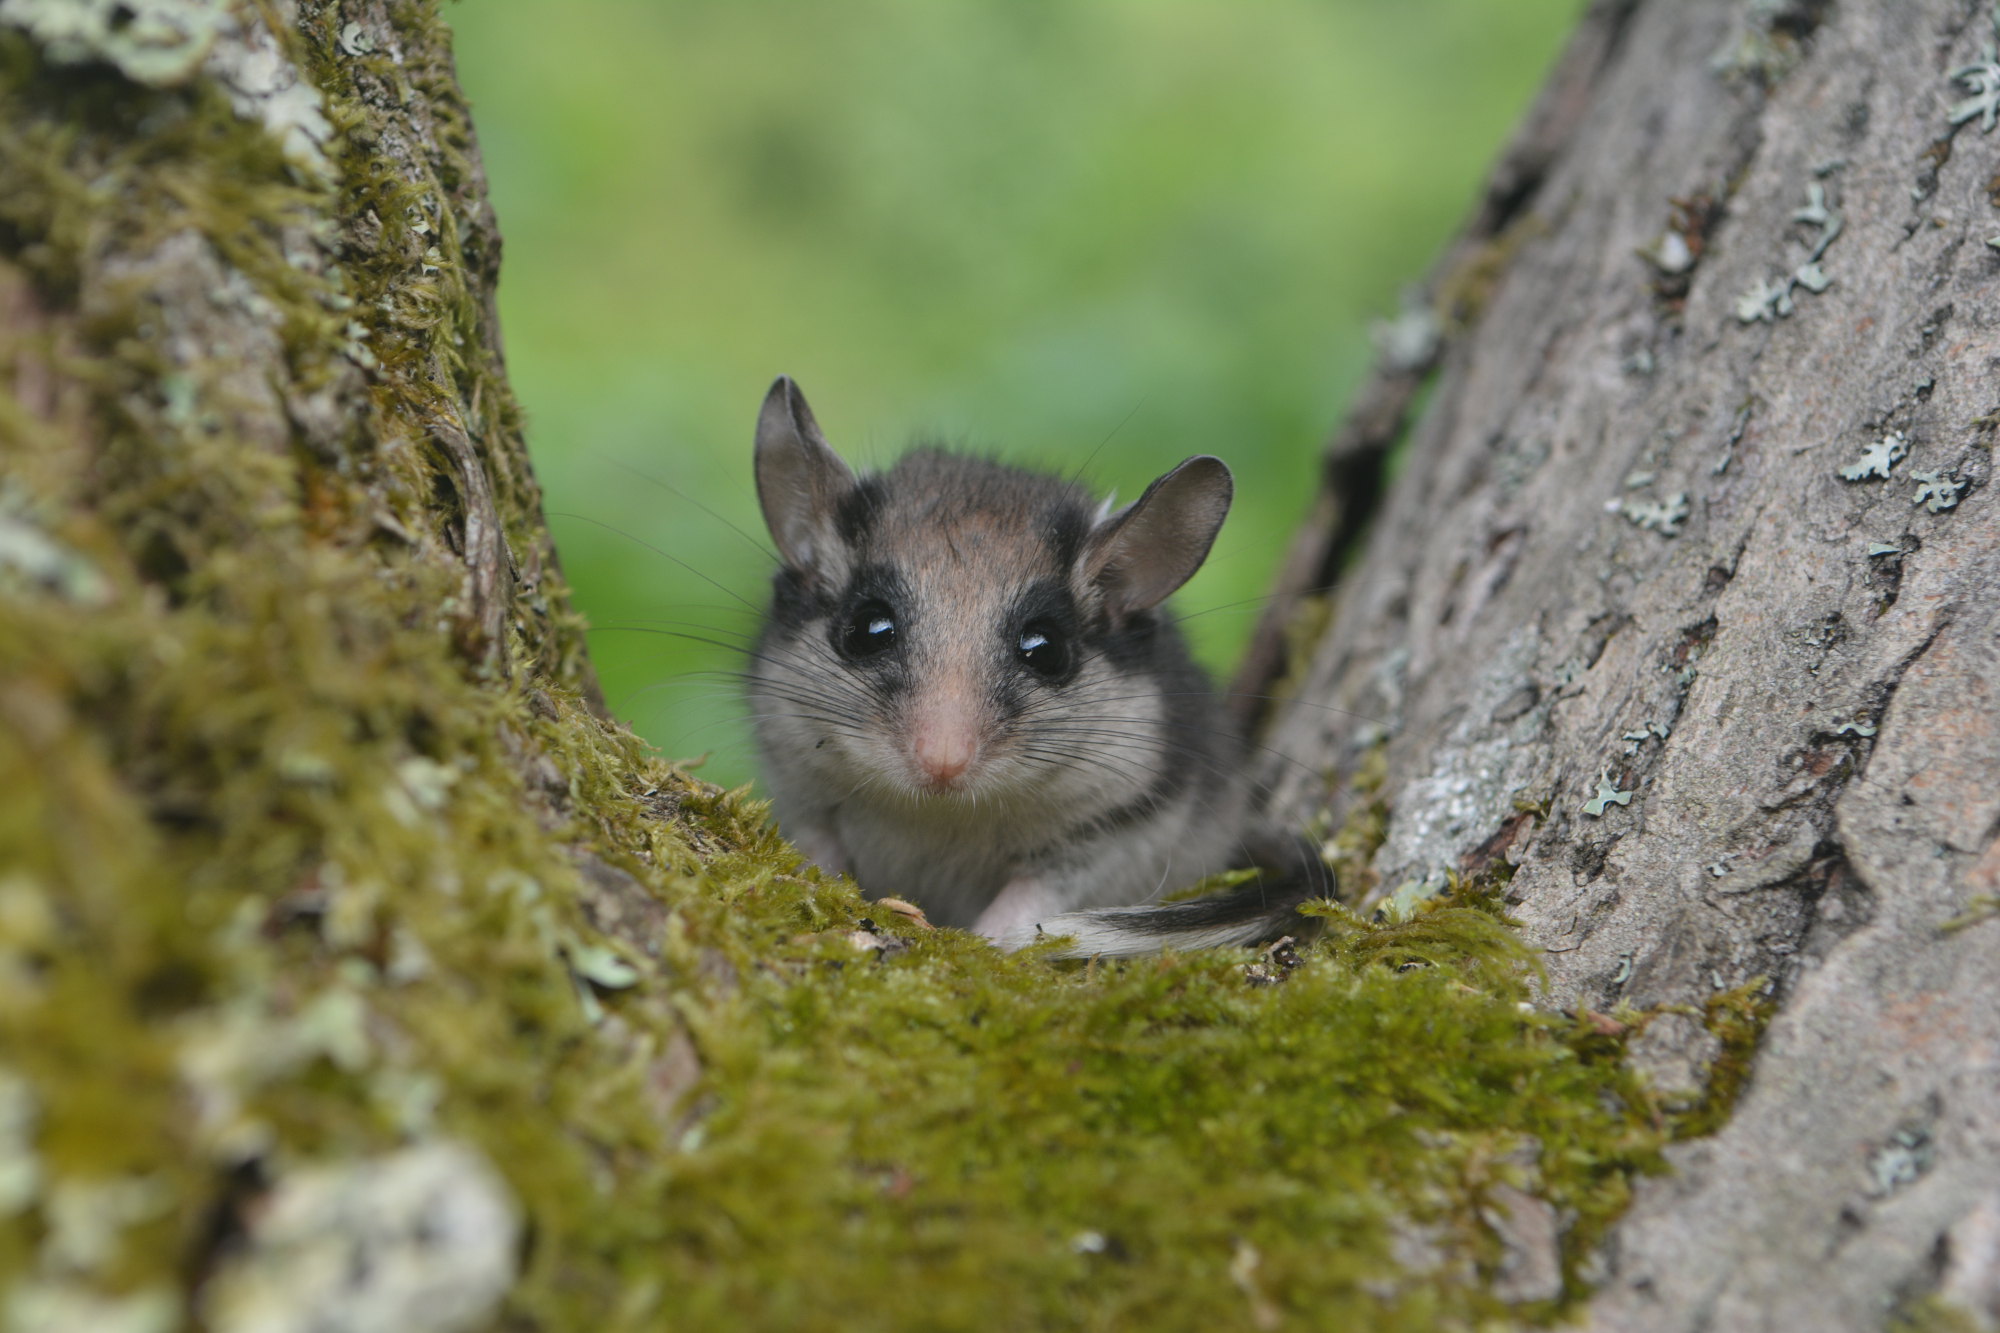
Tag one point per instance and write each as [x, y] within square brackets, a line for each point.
[800, 480]
[1155, 544]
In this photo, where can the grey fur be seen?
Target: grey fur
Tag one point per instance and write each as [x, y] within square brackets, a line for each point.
[909, 735]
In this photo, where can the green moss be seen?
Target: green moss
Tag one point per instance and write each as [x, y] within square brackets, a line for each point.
[1934, 1314]
[1468, 289]
[296, 865]
[1977, 909]
[949, 1139]
[1736, 1018]
[1350, 850]
[1302, 630]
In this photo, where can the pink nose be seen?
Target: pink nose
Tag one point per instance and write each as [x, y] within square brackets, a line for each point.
[944, 750]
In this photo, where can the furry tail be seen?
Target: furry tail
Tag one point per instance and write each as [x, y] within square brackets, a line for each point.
[1253, 913]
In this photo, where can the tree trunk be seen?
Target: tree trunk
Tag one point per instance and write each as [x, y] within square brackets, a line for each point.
[297, 730]
[1686, 603]
[355, 972]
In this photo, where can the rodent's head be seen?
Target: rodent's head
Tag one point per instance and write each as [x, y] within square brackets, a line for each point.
[956, 628]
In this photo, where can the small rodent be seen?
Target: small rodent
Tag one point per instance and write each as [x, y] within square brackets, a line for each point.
[967, 694]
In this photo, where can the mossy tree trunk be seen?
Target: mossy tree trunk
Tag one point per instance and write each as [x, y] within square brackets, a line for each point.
[1684, 603]
[310, 825]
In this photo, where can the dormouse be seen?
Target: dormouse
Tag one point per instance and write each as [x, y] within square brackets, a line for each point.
[968, 694]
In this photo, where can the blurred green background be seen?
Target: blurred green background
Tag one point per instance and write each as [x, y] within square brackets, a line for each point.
[1144, 228]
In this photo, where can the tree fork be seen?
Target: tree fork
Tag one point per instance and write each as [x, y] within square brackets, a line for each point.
[330, 905]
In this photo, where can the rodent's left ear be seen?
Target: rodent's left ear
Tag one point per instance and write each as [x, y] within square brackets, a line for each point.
[800, 480]
[1143, 552]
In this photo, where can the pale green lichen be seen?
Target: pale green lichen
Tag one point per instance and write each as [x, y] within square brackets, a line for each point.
[1669, 253]
[1770, 299]
[1607, 796]
[1764, 300]
[1635, 741]
[1878, 457]
[425, 1237]
[1937, 491]
[1408, 344]
[30, 556]
[1761, 45]
[264, 85]
[158, 42]
[1662, 516]
[1903, 1159]
[167, 43]
[1816, 213]
[1981, 79]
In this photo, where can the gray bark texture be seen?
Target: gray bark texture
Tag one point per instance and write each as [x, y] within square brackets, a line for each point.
[1647, 543]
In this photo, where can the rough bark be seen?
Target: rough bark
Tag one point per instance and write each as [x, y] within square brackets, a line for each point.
[301, 761]
[1628, 553]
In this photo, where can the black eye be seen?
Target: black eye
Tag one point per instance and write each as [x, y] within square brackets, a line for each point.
[1044, 650]
[868, 631]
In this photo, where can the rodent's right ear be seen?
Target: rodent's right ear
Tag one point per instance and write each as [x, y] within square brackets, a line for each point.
[800, 480]
[1155, 544]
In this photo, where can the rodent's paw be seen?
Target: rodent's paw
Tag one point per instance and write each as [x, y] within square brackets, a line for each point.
[823, 848]
[1012, 919]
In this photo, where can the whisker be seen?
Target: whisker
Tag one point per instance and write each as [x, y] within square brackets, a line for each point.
[677, 491]
[664, 555]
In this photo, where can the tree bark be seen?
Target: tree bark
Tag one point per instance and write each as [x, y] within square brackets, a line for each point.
[1641, 550]
[289, 688]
